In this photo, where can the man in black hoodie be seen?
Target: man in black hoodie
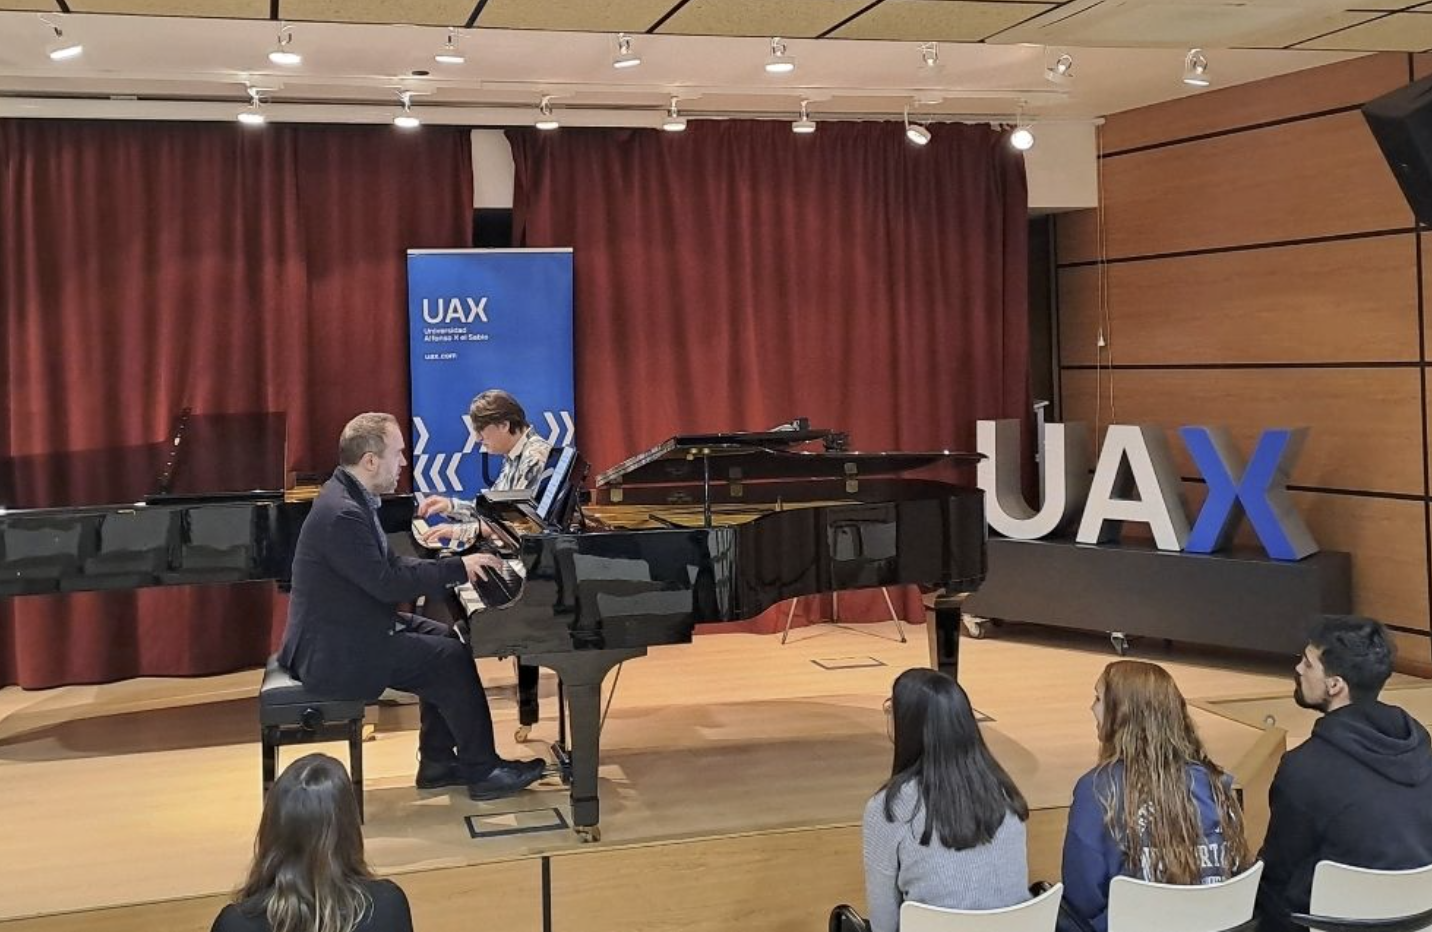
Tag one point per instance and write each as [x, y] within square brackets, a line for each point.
[1359, 791]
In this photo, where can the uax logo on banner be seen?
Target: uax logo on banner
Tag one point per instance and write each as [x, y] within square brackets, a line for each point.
[455, 310]
[1135, 480]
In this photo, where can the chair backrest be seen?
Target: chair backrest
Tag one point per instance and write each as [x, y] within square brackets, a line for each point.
[1344, 892]
[1138, 906]
[1036, 915]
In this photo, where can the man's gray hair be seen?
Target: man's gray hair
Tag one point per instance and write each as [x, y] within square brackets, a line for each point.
[366, 433]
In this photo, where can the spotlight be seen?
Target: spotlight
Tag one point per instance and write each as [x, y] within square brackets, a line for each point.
[1062, 71]
[406, 119]
[253, 114]
[1022, 138]
[281, 53]
[675, 122]
[625, 57]
[63, 49]
[915, 132]
[930, 54]
[1195, 69]
[805, 125]
[779, 62]
[545, 119]
[449, 54]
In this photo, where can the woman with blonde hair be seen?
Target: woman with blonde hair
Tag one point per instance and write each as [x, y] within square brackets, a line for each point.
[309, 874]
[1155, 807]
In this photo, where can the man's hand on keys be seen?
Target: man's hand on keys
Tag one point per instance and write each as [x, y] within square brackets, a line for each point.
[479, 563]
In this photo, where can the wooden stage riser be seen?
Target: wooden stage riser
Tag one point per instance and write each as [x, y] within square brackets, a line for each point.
[781, 881]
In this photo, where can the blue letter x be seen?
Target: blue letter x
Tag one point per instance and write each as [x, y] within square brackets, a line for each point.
[1262, 491]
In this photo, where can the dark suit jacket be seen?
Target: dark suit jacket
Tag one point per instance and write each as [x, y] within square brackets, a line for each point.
[346, 591]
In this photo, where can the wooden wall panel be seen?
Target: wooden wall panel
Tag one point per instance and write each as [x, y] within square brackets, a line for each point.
[503, 895]
[1320, 177]
[1414, 653]
[1364, 423]
[778, 882]
[1301, 303]
[1345, 84]
[195, 914]
[1245, 289]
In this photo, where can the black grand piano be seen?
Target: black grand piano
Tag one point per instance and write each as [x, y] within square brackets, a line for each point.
[701, 528]
[713, 528]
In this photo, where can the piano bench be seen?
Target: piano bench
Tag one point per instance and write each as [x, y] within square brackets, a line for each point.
[290, 714]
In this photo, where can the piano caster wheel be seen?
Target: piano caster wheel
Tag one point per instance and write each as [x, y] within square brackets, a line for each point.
[522, 733]
[975, 627]
[370, 732]
[589, 833]
[1120, 642]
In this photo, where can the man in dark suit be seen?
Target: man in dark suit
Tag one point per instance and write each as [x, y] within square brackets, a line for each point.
[345, 636]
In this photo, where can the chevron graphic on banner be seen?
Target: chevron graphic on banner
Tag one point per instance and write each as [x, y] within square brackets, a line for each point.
[419, 462]
[435, 473]
[422, 441]
[555, 436]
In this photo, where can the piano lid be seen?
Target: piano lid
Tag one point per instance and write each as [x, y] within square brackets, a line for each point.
[738, 456]
[217, 456]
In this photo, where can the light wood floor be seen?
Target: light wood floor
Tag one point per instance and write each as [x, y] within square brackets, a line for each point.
[148, 790]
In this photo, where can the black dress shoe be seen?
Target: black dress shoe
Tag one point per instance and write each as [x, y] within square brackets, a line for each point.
[433, 775]
[507, 779]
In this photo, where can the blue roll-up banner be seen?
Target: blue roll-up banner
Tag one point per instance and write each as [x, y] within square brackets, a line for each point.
[480, 319]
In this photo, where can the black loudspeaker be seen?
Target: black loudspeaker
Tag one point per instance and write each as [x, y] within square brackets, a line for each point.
[1402, 123]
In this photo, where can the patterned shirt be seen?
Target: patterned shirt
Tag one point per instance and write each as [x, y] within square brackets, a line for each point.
[522, 469]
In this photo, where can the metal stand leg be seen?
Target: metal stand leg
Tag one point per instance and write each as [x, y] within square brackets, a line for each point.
[790, 613]
[836, 622]
[894, 616]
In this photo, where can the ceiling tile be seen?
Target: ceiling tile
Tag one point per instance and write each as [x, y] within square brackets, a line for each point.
[939, 20]
[42, 6]
[574, 15]
[1305, 30]
[798, 19]
[420, 12]
[204, 9]
[1400, 32]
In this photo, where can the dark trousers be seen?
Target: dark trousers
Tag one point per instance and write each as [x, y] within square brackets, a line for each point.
[454, 720]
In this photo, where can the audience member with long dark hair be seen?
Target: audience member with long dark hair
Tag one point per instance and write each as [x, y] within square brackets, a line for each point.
[947, 828]
[1155, 807]
[309, 874]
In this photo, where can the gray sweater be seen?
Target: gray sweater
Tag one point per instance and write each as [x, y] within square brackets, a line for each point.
[899, 868]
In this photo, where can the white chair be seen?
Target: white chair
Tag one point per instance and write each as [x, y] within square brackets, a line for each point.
[1140, 906]
[1348, 898]
[1036, 915]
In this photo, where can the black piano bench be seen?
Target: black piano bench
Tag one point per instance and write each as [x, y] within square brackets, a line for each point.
[290, 714]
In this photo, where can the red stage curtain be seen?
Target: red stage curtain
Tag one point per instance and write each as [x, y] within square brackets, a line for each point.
[736, 275]
[146, 267]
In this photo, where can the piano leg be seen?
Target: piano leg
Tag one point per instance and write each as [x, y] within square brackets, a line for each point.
[582, 673]
[944, 634]
[529, 710]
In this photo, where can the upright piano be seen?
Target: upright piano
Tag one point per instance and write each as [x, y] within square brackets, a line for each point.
[718, 528]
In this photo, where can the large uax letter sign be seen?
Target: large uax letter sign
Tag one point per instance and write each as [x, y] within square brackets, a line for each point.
[1135, 480]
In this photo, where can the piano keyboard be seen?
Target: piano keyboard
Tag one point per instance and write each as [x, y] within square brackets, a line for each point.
[500, 589]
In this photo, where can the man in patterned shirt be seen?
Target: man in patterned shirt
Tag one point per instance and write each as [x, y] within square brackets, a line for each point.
[502, 426]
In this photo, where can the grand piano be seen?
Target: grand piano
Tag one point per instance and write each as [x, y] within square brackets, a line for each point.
[701, 528]
[715, 528]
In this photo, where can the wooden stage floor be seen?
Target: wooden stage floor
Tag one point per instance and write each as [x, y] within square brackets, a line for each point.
[733, 778]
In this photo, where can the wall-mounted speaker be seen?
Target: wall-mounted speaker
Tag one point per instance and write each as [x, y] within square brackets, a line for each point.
[1402, 123]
